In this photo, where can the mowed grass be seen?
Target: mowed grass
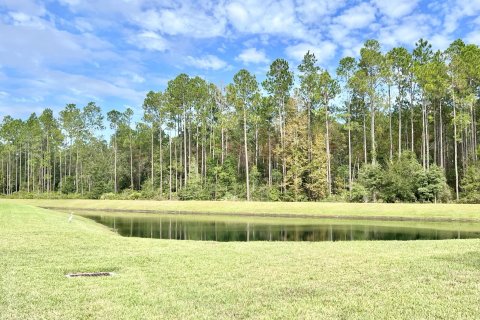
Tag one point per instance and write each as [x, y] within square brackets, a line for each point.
[389, 210]
[168, 279]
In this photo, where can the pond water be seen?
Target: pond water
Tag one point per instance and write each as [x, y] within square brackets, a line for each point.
[228, 228]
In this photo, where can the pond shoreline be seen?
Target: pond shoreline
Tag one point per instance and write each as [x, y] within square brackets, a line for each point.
[273, 215]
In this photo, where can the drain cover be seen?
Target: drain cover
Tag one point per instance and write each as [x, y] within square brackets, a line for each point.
[89, 274]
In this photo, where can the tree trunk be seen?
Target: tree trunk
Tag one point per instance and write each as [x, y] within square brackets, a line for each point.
[399, 124]
[390, 122]
[365, 137]
[424, 136]
[435, 137]
[472, 133]
[247, 174]
[327, 140]
[411, 117]
[115, 155]
[455, 145]
[151, 159]
[282, 143]
[349, 152]
[256, 145]
[170, 168]
[60, 169]
[185, 168]
[160, 159]
[223, 146]
[442, 157]
[131, 160]
[269, 160]
[76, 170]
[372, 131]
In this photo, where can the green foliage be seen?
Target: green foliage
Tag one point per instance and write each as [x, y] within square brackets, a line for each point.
[471, 185]
[399, 182]
[194, 189]
[432, 185]
[296, 158]
[301, 139]
[359, 193]
[226, 180]
[371, 178]
[68, 185]
[317, 170]
[404, 180]
[99, 188]
[109, 196]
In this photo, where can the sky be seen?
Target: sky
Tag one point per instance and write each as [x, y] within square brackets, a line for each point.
[113, 52]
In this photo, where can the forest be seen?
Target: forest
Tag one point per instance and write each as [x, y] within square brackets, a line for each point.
[394, 126]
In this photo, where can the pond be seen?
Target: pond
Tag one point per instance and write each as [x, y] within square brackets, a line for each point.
[228, 228]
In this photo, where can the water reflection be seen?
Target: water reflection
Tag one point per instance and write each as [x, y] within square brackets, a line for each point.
[213, 229]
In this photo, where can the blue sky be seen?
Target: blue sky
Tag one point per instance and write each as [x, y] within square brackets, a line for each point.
[114, 51]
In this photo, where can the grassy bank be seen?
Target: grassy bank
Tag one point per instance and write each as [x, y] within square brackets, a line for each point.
[407, 210]
[198, 280]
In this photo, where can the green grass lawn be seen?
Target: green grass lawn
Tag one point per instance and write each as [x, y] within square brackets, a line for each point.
[391, 210]
[166, 279]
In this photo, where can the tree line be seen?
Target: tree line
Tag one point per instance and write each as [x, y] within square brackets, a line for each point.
[386, 126]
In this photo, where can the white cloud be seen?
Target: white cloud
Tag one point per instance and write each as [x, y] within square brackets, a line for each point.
[316, 11]
[454, 12]
[473, 38]
[23, 19]
[151, 41]
[187, 20]
[344, 36]
[323, 51]
[137, 78]
[29, 7]
[88, 37]
[265, 17]
[252, 55]
[440, 41]
[209, 62]
[55, 88]
[357, 17]
[396, 8]
[70, 2]
[410, 30]
[83, 25]
[352, 50]
[32, 47]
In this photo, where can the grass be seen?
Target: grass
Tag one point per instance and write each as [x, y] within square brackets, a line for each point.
[165, 279]
[400, 210]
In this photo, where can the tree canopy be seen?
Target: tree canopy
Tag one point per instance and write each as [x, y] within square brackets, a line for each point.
[388, 126]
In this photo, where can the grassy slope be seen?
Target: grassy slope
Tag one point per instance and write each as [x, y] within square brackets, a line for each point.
[184, 279]
[454, 211]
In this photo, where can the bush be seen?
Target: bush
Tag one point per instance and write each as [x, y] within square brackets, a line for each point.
[109, 196]
[359, 193]
[431, 185]
[399, 182]
[44, 195]
[134, 195]
[68, 185]
[371, 178]
[471, 185]
[99, 188]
